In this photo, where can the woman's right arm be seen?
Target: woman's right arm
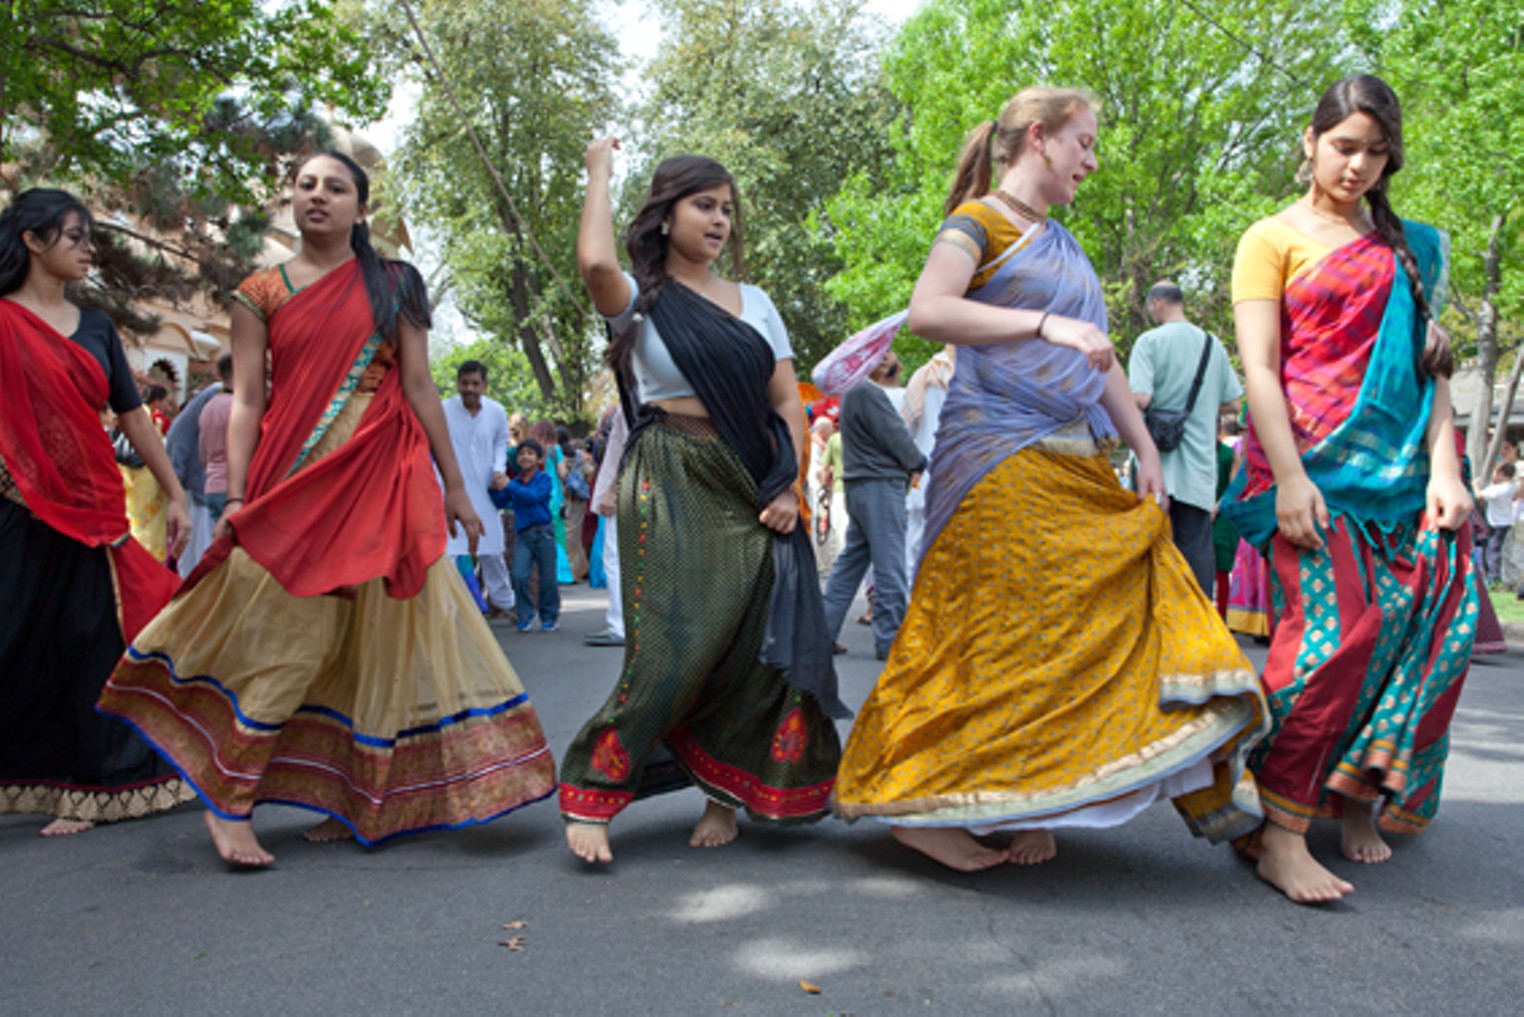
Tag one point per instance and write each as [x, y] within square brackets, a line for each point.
[940, 312]
[1299, 506]
[596, 255]
[250, 341]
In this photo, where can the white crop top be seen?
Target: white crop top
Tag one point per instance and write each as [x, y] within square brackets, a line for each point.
[657, 377]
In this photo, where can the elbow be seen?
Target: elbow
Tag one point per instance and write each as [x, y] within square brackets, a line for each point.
[922, 318]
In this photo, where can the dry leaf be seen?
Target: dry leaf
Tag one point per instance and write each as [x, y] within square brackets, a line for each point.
[514, 943]
[810, 987]
[519, 924]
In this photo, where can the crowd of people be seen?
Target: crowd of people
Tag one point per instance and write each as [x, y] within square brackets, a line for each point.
[1053, 654]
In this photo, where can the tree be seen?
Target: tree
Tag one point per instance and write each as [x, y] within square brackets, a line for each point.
[535, 80]
[173, 115]
[786, 96]
[1198, 136]
[1458, 64]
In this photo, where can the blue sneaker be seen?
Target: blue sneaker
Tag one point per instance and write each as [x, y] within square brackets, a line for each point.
[548, 627]
[527, 624]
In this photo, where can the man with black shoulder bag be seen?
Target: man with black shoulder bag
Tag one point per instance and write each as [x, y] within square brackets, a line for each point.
[1182, 380]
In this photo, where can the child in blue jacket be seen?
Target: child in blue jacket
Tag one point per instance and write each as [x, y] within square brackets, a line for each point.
[534, 543]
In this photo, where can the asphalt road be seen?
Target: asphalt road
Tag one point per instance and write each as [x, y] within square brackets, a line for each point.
[142, 918]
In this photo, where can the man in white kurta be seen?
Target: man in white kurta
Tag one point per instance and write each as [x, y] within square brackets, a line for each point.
[479, 432]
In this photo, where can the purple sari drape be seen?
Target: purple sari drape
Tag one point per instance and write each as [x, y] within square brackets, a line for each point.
[1005, 396]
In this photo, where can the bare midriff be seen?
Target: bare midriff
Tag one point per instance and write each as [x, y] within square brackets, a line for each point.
[683, 406]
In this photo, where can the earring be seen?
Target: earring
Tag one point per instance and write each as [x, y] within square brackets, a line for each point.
[666, 228]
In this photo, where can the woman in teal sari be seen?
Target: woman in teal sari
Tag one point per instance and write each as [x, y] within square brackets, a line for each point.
[1352, 488]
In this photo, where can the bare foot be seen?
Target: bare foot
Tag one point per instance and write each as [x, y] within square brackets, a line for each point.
[1361, 842]
[716, 827]
[236, 843]
[1032, 847]
[1286, 864]
[589, 842]
[954, 848]
[328, 831]
[66, 827]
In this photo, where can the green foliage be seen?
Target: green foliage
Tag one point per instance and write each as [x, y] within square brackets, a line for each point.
[510, 380]
[106, 90]
[1458, 66]
[166, 117]
[1198, 136]
[535, 80]
[786, 96]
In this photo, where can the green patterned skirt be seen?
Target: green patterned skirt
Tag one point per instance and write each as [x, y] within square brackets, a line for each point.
[696, 573]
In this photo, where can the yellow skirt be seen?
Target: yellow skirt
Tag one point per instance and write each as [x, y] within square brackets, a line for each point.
[1058, 665]
[391, 715]
[146, 502]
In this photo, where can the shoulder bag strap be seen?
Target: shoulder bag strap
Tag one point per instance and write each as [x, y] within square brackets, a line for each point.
[1206, 355]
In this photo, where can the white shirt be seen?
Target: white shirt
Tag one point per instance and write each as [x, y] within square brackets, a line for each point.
[481, 448]
[1499, 499]
[657, 376]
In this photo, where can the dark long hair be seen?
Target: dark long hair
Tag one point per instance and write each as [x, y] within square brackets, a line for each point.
[394, 287]
[40, 211]
[1365, 93]
[675, 179]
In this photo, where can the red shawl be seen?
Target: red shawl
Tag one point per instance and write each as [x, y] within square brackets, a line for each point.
[51, 394]
[370, 508]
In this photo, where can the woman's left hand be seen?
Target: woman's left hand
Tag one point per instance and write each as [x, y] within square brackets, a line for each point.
[1449, 504]
[458, 510]
[782, 513]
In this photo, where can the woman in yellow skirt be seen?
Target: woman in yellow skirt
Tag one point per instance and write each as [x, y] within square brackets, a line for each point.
[1058, 665]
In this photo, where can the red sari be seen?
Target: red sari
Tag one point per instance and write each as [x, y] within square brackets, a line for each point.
[75, 586]
[327, 654]
[61, 461]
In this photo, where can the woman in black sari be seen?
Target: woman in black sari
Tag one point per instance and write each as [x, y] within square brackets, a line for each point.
[727, 663]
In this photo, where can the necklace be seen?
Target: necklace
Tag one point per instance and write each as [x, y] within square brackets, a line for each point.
[1355, 224]
[1018, 206]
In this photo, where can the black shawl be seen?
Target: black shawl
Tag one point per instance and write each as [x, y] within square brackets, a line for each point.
[729, 365]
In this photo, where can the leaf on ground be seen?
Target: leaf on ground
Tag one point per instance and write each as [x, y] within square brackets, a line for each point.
[514, 943]
[810, 987]
[516, 924]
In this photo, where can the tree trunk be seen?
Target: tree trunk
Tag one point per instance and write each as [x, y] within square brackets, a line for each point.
[1487, 349]
[529, 341]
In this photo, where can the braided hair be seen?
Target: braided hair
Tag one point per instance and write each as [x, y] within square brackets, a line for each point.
[1365, 93]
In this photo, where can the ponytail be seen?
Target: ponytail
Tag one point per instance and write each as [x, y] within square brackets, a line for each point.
[972, 179]
[998, 142]
[394, 287]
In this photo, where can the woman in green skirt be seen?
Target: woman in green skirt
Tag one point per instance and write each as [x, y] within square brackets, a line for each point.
[727, 663]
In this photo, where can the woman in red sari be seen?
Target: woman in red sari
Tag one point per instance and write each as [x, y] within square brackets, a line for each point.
[74, 584]
[326, 653]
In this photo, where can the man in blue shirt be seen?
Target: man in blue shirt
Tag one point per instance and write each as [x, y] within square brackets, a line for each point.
[1160, 372]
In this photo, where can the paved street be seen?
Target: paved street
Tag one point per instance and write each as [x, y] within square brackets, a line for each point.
[142, 918]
